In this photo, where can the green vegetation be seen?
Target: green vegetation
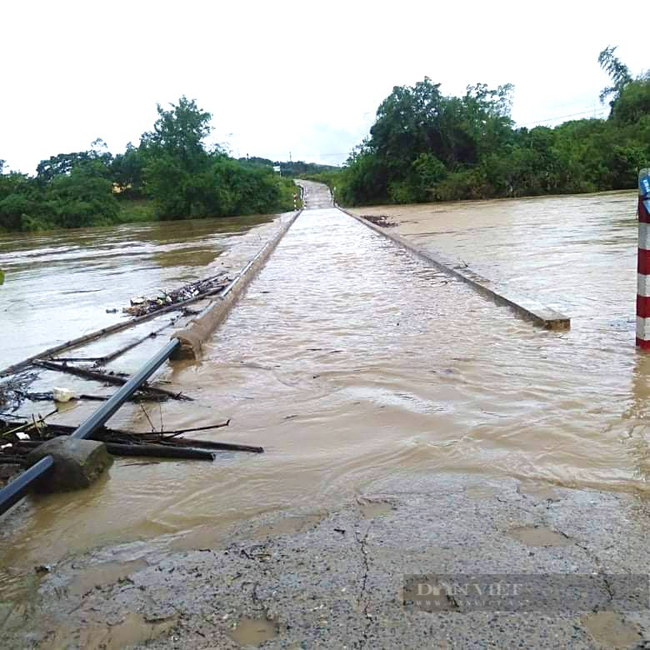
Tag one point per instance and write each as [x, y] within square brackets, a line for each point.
[135, 210]
[291, 169]
[425, 146]
[172, 174]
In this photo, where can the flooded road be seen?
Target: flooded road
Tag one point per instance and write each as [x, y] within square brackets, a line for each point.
[360, 368]
[576, 254]
[60, 284]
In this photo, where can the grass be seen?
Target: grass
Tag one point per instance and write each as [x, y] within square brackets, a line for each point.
[136, 210]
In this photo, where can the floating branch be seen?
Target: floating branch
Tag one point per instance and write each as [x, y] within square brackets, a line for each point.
[119, 442]
[108, 378]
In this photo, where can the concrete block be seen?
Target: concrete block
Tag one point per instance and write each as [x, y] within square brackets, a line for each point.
[190, 347]
[77, 463]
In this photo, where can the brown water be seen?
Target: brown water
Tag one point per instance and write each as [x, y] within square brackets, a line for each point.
[360, 369]
[60, 284]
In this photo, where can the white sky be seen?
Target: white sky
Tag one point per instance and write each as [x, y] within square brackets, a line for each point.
[279, 77]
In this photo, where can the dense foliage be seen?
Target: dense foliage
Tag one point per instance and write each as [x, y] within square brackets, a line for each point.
[292, 168]
[427, 146]
[172, 174]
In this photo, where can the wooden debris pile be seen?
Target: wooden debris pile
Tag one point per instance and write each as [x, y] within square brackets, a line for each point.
[143, 305]
[19, 437]
[380, 220]
[13, 391]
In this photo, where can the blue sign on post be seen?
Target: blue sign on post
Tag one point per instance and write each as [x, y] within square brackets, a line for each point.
[644, 186]
[644, 191]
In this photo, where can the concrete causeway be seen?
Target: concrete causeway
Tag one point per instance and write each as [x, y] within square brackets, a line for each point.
[333, 576]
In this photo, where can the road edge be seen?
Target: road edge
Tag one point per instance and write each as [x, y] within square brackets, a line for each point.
[528, 308]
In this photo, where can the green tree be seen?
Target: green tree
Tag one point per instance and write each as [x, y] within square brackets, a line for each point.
[618, 72]
[176, 161]
[21, 201]
[633, 102]
[127, 172]
[97, 156]
[84, 197]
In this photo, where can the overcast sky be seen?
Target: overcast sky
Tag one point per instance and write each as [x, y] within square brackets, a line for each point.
[280, 77]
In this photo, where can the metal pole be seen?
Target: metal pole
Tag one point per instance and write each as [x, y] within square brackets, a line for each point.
[19, 487]
[643, 265]
[104, 413]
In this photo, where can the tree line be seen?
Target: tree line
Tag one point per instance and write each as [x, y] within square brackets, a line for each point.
[425, 146]
[171, 174]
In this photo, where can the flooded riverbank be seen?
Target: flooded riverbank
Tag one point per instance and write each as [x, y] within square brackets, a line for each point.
[354, 363]
[59, 284]
[362, 370]
[576, 254]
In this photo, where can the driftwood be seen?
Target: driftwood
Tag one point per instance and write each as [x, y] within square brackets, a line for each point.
[209, 444]
[83, 397]
[177, 432]
[380, 220]
[93, 336]
[108, 378]
[5, 459]
[127, 441]
[182, 295]
[159, 451]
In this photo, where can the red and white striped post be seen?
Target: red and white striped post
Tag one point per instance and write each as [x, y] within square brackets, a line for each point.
[643, 267]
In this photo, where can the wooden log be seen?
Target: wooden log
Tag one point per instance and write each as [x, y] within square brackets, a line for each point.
[127, 437]
[115, 379]
[48, 397]
[111, 329]
[147, 449]
[130, 438]
[210, 444]
[158, 451]
[177, 432]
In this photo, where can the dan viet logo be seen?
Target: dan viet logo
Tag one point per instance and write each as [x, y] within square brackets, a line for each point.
[468, 589]
[551, 593]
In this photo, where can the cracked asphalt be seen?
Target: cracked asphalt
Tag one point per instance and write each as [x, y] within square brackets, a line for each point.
[335, 579]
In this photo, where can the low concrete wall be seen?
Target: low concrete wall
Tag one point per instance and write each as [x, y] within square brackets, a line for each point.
[527, 308]
[201, 328]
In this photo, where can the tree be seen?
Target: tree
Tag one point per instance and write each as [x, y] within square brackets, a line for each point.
[420, 136]
[176, 160]
[633, 103]
[407, 124]
[127, 172]
[618, 72]
[81, 198]
[180, 133]
[20, 201]
[98, 157]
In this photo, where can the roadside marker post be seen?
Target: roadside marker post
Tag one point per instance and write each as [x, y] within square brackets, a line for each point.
[643, 266]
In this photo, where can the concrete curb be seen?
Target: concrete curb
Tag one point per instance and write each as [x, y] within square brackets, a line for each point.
[201, 328]
[525, 307]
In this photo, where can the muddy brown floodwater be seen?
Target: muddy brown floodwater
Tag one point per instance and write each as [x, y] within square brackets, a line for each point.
[360, 369]
[60, 284]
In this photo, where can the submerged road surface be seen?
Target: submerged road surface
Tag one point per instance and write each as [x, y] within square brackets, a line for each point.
[439, 420]
[357, 366]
